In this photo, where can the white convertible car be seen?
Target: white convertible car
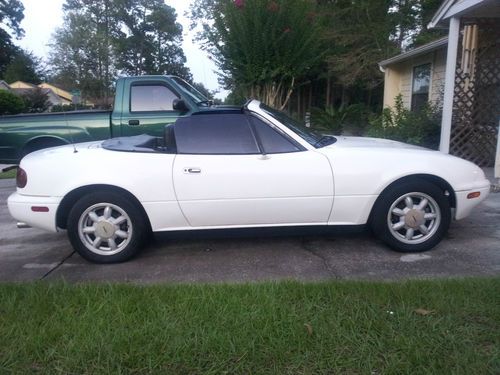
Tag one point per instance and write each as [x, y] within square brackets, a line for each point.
[240, 168]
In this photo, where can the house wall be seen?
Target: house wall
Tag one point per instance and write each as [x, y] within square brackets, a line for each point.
[399, 76]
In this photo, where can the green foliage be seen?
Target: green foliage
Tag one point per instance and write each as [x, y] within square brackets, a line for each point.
[351, 118]
[359, 35]
[11, 15]
[236, 97]
[363, 32]
[36, 101]
[100, 38]
[151, 41]
[69, 108]
[261, 46]
[10, 104]
[24, 67]
[420, 128]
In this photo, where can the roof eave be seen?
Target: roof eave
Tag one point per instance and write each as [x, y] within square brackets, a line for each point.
[451, 9]
[426, 48]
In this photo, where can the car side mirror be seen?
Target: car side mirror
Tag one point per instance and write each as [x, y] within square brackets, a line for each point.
[180, 105]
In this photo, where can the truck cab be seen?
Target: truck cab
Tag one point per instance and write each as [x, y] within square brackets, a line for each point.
[146, 104]
[142, 105]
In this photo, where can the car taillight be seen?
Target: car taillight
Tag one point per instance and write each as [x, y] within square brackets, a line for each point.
[21, 178]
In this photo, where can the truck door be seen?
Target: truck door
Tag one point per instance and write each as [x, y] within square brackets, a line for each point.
[148, 107]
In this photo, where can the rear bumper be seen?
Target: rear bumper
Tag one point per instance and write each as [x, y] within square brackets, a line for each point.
[465, 205]
[20, 208]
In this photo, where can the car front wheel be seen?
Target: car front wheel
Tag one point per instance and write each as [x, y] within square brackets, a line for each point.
[412, 216]
[105, 227]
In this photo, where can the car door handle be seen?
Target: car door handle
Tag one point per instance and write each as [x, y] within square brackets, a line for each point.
[134, 122]
[192, 170]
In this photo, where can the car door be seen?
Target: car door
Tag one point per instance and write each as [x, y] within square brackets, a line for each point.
[148, 107]
[235, 170]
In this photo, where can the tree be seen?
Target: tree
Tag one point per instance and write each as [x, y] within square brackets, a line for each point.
[423, 35]
[82, 49]
[262, 47]
[359, 32]
[362, 33]
[101, 38]
[24, 67]
[10, 104]
[36, 100]
[152, 40]
[11, 15]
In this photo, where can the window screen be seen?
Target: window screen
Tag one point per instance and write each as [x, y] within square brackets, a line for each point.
[151, 98]
[420, 86]
[271, 140]
[215, 134]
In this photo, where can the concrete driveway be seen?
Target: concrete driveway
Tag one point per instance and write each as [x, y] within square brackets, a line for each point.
[472, 247]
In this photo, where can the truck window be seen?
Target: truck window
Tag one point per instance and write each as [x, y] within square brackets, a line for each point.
[151, 98]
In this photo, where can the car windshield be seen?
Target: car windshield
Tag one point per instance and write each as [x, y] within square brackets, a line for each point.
[311, 136]
[193, 93]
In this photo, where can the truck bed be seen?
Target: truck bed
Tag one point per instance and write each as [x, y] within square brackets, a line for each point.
[19, 131]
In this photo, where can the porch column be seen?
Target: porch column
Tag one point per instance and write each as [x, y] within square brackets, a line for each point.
[449, 86]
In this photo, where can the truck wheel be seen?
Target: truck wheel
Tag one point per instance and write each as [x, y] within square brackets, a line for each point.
[105, 227]
[40, 144]
[412, 216]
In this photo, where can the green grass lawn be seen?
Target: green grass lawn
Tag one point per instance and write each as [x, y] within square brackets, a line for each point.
[9, 174]
[416, 327]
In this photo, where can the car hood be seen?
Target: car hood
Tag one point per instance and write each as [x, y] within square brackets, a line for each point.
[366, 142]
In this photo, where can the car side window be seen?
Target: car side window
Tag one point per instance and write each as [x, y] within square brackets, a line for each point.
[271, 140]
[219, 134]
[151, 98]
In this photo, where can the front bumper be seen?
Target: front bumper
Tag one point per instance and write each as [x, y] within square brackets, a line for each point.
[20, 208]
[465, 205]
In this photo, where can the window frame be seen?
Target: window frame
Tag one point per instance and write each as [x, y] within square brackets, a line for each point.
[429, 63]
[150, 83]
[249, 125]
[280, 132]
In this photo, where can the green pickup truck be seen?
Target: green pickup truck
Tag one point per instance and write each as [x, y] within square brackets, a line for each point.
[143, 105]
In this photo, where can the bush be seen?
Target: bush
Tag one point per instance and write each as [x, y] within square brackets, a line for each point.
[10, 104]
[36, 101]
[70, 107]
[420, 128]
[349, 119]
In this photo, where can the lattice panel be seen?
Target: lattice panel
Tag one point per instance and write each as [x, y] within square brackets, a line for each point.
[476, 103]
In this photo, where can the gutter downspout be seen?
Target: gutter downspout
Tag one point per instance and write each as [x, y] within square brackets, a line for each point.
[449, 88]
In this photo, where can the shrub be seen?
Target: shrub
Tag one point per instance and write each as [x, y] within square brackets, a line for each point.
[36, 101]
[400, 124]
[70, 107]
[10, 104]
[349, 119]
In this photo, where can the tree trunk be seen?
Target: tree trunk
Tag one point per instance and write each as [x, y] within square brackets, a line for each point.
[328, 91]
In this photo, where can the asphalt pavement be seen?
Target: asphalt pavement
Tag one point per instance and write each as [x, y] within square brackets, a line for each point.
[471, 248]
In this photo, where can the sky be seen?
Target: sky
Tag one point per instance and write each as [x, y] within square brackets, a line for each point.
[42, 17]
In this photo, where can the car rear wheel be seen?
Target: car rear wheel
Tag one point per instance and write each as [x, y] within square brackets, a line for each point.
[105, 227]
[412, 216]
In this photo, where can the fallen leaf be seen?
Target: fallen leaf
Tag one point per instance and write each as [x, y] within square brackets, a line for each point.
[424, 312]
[309, 329]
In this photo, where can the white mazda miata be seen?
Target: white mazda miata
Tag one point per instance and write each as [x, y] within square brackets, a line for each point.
[241, 168]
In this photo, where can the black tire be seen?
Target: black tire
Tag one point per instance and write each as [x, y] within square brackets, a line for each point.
[392, 200]
[119, 208]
